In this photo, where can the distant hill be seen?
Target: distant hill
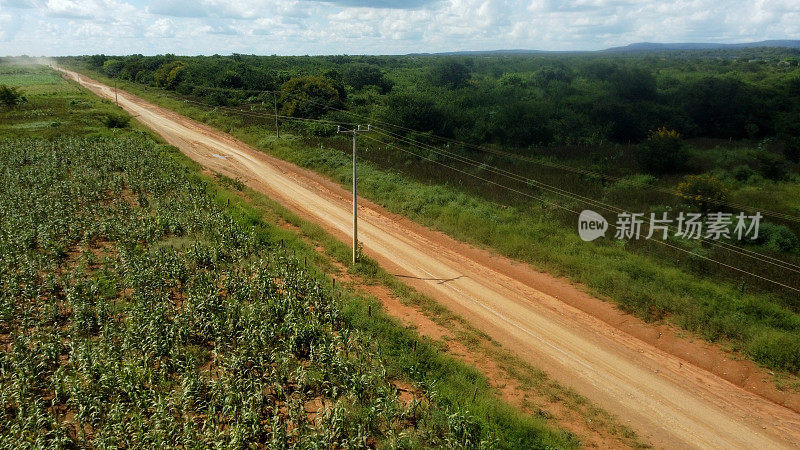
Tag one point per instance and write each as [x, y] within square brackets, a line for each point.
[653, 46]
[637, 47]
[491, 52]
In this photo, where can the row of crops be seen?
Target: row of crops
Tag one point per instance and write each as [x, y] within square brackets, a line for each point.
[135, 312]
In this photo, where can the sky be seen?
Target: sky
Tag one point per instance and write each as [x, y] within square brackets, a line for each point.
[308, 27]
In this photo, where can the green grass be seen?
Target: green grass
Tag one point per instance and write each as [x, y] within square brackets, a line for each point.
[398, 343]
[54, 107]
[146, 288]
[37, 77]
[645, 279]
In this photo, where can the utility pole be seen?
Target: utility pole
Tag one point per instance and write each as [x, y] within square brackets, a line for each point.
[275, 103]
[355, 133]
[116, 98]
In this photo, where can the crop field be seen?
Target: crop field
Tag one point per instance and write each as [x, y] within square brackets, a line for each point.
[52, 108]
[141, 309]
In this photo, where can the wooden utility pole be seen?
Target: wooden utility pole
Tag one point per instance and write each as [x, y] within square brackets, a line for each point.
[116, 98]
[355, 133]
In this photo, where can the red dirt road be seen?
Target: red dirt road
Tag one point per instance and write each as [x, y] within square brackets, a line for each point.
[578, 340]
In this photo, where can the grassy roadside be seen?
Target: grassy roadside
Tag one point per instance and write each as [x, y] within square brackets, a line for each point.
[406, 355]
[529, 379]
[404, 350]
[452, 385]
[764, 327]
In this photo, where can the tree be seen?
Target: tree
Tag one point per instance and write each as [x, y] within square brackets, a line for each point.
[791, 149]
[309, 97]
[521, 124]
[548, 74]
[113, 67]
[97, 60]
[633, 84]
[663, 152]
[337, 82]
[230, 79]
[449, 74]
[360, 75]
[170, 74]
[772, 165]
[722, 107]
[704, 191]
[418, 113]
[10, 96]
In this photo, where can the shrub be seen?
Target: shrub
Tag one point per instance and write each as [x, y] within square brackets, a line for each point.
[449, 74]
[663, 152]
[116, 121]
[308, 97]
[170, 74]
[772, 166]
[10, 96]
[636, 181]
[777, 238]
[776, 350]
[113, 67]
[632, 191]
[703, 191]
[743, 173]
[321, 129]
[361, 75]
[791, 149]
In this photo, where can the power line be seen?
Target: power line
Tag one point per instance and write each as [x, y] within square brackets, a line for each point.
[735, 249]
[506, 173]
[576, 212]
[578, 170]
[553, 189]
[498, 152]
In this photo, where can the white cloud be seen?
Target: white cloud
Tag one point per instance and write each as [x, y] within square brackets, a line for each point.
[379, 26]
[7, 30]
[161, 28]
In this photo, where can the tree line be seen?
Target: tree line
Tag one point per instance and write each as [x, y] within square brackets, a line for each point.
[520, 101]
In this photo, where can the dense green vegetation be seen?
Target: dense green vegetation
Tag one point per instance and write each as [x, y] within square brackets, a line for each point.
[519, 101]
[748, 313]
[145, 306]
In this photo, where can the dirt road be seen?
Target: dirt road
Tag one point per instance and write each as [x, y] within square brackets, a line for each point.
[670, 401]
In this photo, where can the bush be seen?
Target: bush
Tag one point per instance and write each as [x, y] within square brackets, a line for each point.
[791, 149]
[776, 349]
[703, 191]
[449, 74]
[113, 67]
[772, 166]
[743, 173]
[663, 152]
[632, 191]
[309, 97]
[170, 74]
[777, 238]
[321, 129]
[10, 96]
[361, 75]
[116, 121]
[417, 112]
